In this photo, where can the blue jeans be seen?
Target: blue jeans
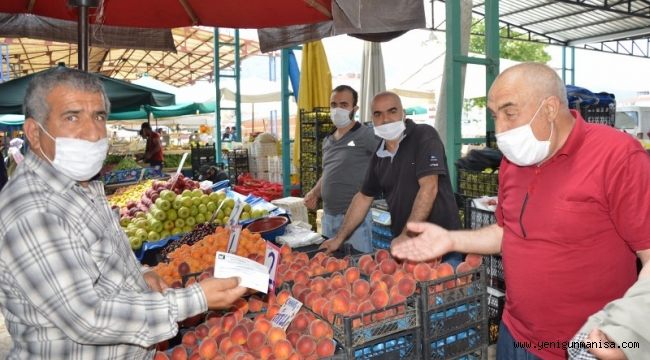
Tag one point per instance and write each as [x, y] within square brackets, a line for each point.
[361, 238]
[506, 349]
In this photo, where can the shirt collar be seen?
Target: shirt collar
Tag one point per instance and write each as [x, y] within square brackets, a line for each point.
[356, 127]
[382, 152]
[576, 136]
[44, 170]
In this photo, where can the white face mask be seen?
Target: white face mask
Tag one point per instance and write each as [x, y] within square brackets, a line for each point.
[340, 117]
[390, 131]
[521, 146]
[78, 159]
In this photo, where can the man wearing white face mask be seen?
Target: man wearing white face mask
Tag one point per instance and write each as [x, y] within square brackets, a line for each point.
[71, 287]
[572, 218]
[346, 154]
[409, 168]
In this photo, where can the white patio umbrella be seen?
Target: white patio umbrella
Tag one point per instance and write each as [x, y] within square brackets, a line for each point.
[373, 78]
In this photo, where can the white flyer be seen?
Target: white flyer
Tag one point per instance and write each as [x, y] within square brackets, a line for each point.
[253, 275]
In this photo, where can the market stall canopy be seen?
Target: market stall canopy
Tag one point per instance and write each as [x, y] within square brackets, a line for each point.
[174, 13]
[124, 96]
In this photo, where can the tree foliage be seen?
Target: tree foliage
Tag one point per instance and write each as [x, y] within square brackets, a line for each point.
[517, 50]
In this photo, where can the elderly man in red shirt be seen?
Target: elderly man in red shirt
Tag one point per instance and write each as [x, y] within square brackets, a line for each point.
[572, 217]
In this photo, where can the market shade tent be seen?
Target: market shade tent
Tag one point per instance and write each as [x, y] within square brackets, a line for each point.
[175, 13]
[124, 96]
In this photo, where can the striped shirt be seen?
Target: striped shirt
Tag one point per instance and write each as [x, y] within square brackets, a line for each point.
[70, 286]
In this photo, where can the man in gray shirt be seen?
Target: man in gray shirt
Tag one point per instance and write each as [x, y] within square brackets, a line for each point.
[346, 155]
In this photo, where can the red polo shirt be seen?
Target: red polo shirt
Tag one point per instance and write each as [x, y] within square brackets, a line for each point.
[571, 229]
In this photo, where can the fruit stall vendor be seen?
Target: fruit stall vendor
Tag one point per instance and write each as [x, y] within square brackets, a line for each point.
[153, 152]
[71, 286]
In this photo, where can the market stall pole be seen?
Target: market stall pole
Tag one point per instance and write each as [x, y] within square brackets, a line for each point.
[83, 32]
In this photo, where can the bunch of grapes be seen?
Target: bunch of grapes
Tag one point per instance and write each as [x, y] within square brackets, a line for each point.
[200, 231]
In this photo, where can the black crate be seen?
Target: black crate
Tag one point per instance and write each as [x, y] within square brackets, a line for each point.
[201, 156]
[403, 345]
[360, 341]
[496, 303]
[599, 114]
[237, 164]
[494, 270]
[477, 183]
[454, 315]
[315, 126]
[476, 218]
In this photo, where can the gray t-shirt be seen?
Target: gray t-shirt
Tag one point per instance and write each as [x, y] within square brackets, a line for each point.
[345, 162]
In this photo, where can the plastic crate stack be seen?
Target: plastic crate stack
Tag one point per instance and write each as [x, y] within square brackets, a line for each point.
[237, 164]
[472, 184]
[476, 218]
[315, 125]
[381, 232]
[202, 156]
[454, 316]
[598, 108]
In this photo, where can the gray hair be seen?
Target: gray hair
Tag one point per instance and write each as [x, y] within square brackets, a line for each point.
[35, 105]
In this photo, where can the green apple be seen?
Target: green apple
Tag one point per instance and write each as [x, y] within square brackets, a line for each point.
[136, 243]
[200, 218]
[184, 212]
[168, 195]
[156, 226]
[141, 223]
[190, 221]
[163, 204]
[178, 203]
[196, 201]
[186, 193]
[159, 215]
[203, 209]
[229, 203]
[171, 214]
[187, 229]
[165, 233]
[179, 223]
[244, 216]
[194, 210]
[125, 221]
[214, 197]
[256, 213]
[197, 193]
[153, 236]
[140, 215]
[227, 211]
[211, 207]
[169, 224]
[218, 222]
[205, 199]
[247, 208]
[141, 234]
[177, 230]
[187, 201]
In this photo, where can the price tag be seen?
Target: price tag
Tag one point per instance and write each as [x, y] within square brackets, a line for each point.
[271, 261]
[253, 275]
[287, 312]
[236, 213]
[233, 241]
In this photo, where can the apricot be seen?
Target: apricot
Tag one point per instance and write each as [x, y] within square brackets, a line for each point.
[318, 285]
[318, 305]
[331, 265]
[190, 340]
[463, 267]
[274, 335]
[282, 349]
[306, 345]
[301, 277]
[226, 344]
[293, 337]
[379, 298]
[352, 274]
[272, 311]
[239, 334]
[179, 352]
[445, 270]
[406, 286]
[208, 348]
[229, 321]
[337, 281]
[256, 339]
[366, 307]
[262, 325]
[422, 272]
[474, 260]
[379, 285]
[364, 261]
[160, 356]
[202, 331]
[325, 348]
[311, 298]
[388, 279]
[376, 276]
[361, 288]
[300, 322]
[340, 304]
[320, 329]
[388, 266]
[408, 266]
[255, 304]
[265, 352]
